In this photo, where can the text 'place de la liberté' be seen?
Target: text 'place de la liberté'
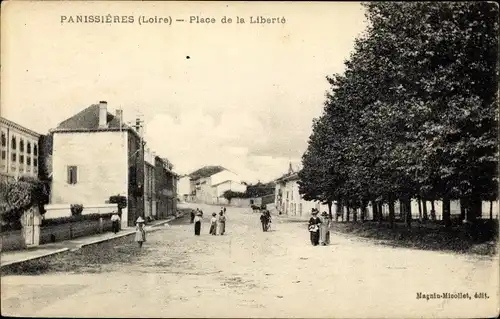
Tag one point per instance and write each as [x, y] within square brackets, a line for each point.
[143, 19]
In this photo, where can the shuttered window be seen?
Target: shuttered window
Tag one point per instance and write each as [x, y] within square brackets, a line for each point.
[72, 174]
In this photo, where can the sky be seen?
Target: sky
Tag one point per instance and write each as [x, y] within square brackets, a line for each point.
[244, 99]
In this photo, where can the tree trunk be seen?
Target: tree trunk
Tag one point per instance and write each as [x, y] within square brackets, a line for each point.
[426, 217]
[374, 211]
[446, 212]
[391, 213]
[401, 210]
[475, 210]
[463, 209]
[380, 213]
[355, 215]
[419, 209]
[338, 209]
[408, 212]
[433, 211]
[491, 210]
[348, 212]
[363, 211]
[330, 210]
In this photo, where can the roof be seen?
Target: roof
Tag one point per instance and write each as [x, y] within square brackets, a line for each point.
[288, 177]
[87, 120]
[206, 171]
[21, 128]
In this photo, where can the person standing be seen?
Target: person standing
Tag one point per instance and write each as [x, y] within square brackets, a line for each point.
[197, 224]
[213, 225]
[263, 220]
[115, 221]
[324, 229]
[314, 224]
[192, 216]
[140, 232]
[221, 223]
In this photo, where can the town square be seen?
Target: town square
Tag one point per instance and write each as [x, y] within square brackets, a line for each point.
[320, 160]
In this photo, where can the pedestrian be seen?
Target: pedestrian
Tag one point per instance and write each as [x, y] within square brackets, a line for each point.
[268, 218]
[115, 222]
[224, 210]
[192, 216]
[197, 224]
[324, 229]
[140, 232]
[263, 220]
[213, 225]
[314, 224]
[221, 223]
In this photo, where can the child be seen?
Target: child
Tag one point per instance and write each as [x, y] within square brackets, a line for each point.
[213, 224]
[140, 232]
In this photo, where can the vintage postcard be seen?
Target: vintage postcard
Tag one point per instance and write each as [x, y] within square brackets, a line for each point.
[199, 159]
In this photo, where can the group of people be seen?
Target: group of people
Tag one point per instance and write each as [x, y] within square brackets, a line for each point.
[265, 219]
[319, 228]
[217, 223]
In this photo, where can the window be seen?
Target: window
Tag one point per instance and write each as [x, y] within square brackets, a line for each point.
[35, 162]
[13, 143]
[21, 159]
[4, 139]
[3, 155]
[35, 149]
[28, 160]
[72, 174]
[21, 145]
[28, 148]
[13, 157]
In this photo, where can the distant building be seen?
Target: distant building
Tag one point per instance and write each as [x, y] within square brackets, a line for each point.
[96, 156]
[184, 191]
[19, 150]
[288, 200]
[209, 183]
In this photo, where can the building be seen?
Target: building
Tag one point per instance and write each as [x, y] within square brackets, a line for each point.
[96, 156]
[184, 189]
[166, 188]
[209, 183]
[19, 150]
[288, 200]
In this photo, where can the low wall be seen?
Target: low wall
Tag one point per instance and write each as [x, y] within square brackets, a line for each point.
[73, 230]
[64, 210]
[12, 240]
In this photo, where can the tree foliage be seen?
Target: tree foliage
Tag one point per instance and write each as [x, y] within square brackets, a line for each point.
[415, 112]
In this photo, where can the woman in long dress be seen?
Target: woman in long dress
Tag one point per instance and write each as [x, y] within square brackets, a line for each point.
[314, 224]
[140, 232]
[221, 223]
[197, 224]
[213, 225]
[324, 229]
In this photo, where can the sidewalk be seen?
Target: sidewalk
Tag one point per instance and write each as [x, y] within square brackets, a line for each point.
[19, 256]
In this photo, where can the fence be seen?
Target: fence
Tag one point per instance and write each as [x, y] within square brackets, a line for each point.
[72, 230]
[64, 210]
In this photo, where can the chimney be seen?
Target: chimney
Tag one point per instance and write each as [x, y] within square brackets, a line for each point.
[138, 126]
[103, 114]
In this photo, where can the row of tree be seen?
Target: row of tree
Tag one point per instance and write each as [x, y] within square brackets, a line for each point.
[414, 115]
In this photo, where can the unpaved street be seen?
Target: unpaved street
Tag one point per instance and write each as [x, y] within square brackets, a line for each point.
[248, 273]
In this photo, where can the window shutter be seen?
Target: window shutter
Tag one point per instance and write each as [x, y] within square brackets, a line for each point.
[74, 175]
[69, 174]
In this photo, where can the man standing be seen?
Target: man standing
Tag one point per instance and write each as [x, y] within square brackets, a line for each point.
[115, 220]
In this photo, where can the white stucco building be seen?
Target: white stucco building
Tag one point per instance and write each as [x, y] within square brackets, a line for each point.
[184, 188]
[209, 188]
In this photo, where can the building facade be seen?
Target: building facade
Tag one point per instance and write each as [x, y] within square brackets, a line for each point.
[210, 187]
[166, 188]
[96, 156]
[19, 150]
[184, 189]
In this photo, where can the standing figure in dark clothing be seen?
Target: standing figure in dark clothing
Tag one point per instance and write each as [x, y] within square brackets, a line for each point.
[197, 224]
[192, 216]
[264, 220]
[314, 224]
